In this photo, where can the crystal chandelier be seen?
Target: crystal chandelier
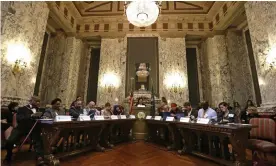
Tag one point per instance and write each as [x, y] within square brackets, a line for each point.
[142, 13]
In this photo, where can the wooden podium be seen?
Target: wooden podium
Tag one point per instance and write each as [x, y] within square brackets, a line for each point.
[140, 128]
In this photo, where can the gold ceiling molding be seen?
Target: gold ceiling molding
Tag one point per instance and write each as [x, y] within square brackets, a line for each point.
[106, 18]
[116, 8]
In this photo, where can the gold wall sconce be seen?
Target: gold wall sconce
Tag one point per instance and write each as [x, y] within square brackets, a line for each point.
[19, 66]
[18, 55]
[174, 82]
[110, 82]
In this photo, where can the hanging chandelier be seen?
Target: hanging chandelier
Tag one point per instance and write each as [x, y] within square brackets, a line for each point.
[142, 13]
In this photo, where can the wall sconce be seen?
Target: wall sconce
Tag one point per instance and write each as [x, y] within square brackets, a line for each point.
[110, 82]
[174, 82]
[19, 56]
[175, 88]
[18, 66]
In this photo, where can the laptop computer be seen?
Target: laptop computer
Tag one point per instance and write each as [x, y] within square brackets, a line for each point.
[179, 115]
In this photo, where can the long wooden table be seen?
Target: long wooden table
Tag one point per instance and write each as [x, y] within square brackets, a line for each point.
[62, 139]
[189, 138]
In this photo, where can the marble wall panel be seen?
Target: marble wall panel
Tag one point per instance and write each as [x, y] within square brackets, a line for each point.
[112, 62]
[261, 22]
[172, 59]
[216, 76]
[84, 73]
[26, 28]
[63, 58]
[241, 78]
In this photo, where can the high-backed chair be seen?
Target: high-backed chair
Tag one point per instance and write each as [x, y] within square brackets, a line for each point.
[263, 138]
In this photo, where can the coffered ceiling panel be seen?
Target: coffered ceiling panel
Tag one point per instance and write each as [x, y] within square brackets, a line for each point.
[115, 8]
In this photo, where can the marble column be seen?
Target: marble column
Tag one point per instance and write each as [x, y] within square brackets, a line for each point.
[112, 71]
[24, 28]
[241, 78]
[84, 73]
[173, 64]
[216, 79]
[63, 58]
[261, 22]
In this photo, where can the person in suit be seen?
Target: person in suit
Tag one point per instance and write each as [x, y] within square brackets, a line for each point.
[51, 113]
[74, 102]
[189, 111]
[76, 110]
[25, 121]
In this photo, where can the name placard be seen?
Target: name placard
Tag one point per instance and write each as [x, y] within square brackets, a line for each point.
[183, 119]
[131, 116]
[123, 116]
[203, 121]
[169, 119]
[84, 118]
[98, 117]
[148, 117]
[230, 115]
[114, 117]
[62, 118]
[157, 118]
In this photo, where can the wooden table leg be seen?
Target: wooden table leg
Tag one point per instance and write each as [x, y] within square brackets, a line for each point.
[48, 136]
[239, 143]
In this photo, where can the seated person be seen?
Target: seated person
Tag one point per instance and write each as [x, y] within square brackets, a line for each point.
[140, 103]
[163, 107]
[189, 111]
[25, 121]
[227, 114]
[73, 103]
[51, 113]
[91, 110]
[107, 112]
[207, 112]
[8, 120]
[118, 110]
[76, 110]
[249, 112]
[13, 107]
[174, 109]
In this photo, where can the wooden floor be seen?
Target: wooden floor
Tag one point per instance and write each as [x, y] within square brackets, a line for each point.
[131, 154]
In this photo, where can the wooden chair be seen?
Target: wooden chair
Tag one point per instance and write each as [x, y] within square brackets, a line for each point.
[263, 138]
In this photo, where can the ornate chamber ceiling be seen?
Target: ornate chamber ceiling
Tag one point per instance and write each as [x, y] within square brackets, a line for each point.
[116, 8]
[90, 19]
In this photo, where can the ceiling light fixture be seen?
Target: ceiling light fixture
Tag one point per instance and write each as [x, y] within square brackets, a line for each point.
[142, 13]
